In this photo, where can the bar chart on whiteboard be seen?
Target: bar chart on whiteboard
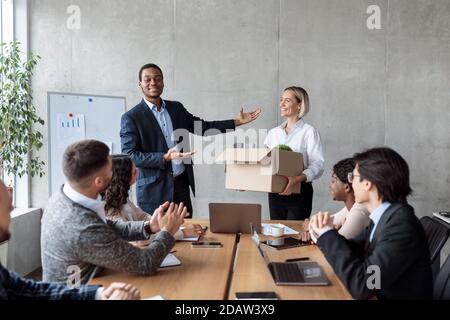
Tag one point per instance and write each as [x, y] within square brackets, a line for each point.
[70, 128]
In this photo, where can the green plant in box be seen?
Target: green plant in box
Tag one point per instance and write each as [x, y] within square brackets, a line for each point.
[284, 147]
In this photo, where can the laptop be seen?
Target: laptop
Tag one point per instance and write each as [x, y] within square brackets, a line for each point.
[299, 273]
[234, 217]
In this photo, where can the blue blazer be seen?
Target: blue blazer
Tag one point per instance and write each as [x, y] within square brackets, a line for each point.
[142, 139]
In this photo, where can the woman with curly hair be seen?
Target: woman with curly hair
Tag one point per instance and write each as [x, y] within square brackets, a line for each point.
[118, 206]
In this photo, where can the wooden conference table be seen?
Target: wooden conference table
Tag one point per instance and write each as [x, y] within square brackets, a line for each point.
[217, 273]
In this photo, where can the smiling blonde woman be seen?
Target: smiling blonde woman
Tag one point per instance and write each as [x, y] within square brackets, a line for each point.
[305, 139]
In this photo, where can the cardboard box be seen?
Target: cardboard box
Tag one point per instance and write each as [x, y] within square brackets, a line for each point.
[260, 169]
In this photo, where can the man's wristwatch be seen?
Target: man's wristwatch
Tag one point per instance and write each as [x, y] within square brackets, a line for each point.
[147, 227]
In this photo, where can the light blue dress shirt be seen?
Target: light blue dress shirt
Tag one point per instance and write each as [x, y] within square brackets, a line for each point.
[165, 123]
[376, 215]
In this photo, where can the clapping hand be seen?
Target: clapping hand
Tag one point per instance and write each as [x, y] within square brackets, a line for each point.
[172, 218]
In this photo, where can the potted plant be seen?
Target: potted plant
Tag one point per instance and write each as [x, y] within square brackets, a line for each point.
[18, 116]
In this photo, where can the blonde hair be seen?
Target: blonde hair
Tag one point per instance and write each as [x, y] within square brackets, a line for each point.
[302, 97]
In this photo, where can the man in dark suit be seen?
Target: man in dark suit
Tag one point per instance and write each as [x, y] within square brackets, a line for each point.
[390, 260]
[165, 172]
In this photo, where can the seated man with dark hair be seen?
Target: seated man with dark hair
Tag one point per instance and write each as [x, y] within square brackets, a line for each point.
[390, 260]
[77, 236]
[12, 286]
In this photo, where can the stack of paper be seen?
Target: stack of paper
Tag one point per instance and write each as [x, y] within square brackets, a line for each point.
[170, 261]
[193, 239]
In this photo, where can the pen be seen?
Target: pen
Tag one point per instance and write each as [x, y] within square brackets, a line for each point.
[297, 259]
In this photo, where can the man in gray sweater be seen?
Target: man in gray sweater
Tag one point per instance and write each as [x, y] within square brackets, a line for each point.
[14, 287]
[77, 241]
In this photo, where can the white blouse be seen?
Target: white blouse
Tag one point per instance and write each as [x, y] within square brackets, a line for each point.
[304, 139]
[352, 223]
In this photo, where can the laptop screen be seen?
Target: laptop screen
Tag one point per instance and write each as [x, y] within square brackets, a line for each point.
[255, 238]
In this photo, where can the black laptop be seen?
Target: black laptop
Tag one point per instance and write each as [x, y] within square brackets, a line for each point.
[299, 273]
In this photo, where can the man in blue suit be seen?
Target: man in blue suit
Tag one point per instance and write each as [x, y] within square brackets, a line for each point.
[146, 136]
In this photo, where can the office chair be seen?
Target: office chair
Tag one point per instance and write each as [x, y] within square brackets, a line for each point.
[441, 289]
[437, 233]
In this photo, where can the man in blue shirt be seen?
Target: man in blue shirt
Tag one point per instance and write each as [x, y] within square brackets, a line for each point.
[165, 171]
[390, 259]
[14, 287]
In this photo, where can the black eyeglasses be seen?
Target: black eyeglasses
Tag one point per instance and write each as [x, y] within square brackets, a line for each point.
[350, 177]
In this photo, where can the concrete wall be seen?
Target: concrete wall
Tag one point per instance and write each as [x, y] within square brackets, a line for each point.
[367, 87]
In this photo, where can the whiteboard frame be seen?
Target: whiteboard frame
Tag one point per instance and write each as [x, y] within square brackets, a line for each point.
[49, 139]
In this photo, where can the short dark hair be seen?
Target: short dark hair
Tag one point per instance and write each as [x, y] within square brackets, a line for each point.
[343, 168]
[387, 170]
[81, 159]
[148, 66]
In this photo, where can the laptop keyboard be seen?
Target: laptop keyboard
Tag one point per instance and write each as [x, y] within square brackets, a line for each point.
[286, 272]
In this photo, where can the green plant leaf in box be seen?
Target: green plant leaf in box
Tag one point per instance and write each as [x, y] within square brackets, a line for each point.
[284, 147]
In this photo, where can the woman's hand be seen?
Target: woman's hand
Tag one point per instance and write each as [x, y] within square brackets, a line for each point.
[193, 230]
[292, 182]
[319, 224]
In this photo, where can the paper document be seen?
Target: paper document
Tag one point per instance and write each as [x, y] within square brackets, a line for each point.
[158, 297]
[191, 239]
[265, 229]
[170, 261]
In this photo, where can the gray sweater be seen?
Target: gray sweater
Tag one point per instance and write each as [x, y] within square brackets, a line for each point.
[73, 235]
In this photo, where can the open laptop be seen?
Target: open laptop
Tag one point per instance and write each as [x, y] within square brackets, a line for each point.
[298, 273]
[234, 217]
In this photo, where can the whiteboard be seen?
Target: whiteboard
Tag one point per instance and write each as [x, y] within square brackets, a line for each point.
[72, 117]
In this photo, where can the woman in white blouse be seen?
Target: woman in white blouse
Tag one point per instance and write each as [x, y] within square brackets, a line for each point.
[303, 138]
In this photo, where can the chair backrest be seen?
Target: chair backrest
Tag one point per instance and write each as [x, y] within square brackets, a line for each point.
[437, 234]
[442, 282]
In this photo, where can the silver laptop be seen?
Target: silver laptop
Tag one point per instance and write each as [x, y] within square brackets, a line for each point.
[234, 217]
[298, 273]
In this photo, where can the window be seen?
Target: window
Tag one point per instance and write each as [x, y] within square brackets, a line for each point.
[14, 26]
[6, 35]
[7, 20]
